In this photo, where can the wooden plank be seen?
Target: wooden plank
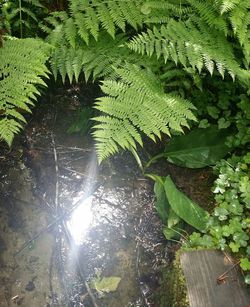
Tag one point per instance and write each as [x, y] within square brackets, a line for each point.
[201, 269]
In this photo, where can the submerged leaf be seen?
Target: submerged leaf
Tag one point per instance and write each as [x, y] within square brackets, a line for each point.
[105, 284]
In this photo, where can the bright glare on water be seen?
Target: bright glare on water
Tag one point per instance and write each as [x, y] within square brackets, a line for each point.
[81, 220]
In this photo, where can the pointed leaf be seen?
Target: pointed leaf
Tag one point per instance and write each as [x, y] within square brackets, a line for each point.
[184, 207]
[199, 148]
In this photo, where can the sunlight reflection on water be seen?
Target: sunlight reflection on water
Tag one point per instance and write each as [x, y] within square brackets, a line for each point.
[81, 220]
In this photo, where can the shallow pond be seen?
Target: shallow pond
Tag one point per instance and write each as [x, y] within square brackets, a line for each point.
[73, 233]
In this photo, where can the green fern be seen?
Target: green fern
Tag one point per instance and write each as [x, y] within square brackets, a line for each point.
[240, 21]
[136, 104]
[88, 18]
[227, 5]
[96, 60]
[184, 43]
[91, 16]
[21, 17]
[210, 12]
[188, 38]
[22, 66]
[162, 11]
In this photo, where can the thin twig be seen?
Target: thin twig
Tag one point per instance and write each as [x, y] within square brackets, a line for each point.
[91, 294]
[76, 148]
[76, 172]
[51, 265]
[56, 170]
[224, 275]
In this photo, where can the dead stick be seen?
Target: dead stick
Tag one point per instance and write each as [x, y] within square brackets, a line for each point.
[227, 271]
[76, 172]
[90, 294]
[56, 169]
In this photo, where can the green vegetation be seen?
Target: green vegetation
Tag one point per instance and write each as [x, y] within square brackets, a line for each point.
[193, 150]
[81, 121]
[165, 67]
[174, 207]
[229, 224]
[21, 18]
[173, 290]
[136, 103]
[201, 39]
[22, 67]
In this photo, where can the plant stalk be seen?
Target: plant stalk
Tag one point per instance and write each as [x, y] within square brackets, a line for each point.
[20, 18]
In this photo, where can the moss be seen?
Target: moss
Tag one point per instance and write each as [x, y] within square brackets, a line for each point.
[172, 291]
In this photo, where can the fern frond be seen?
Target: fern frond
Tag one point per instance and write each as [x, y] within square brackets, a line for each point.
[35, 3]
[183, 42]
[162, 10]
[98, 59]
[209, 11]
[135, 104]
[21, 17]
[227, 5]
[22, 66]
[239, 17]
[92, 16]
[70, 32]
[8, 129]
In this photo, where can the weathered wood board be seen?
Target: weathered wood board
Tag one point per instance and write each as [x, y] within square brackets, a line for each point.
[201, 270]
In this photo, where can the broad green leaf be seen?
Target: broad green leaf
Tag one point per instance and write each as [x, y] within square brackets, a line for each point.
[204, 124]
[170, 233]
[173, 218]
[184, 207]
[199, 148]
[161, 205]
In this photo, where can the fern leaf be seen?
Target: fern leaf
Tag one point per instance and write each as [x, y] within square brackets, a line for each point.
[92, 16]
[8, 129]
[24, 74]
[106, 19]
[183, 42]
[70, 32]
[136, 104]
[162, 11]
[96, 60]
[208, 11]
[116, 15]
[80, 24]
[228, 5]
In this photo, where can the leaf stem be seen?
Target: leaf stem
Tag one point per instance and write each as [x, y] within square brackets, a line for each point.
[20, 18]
